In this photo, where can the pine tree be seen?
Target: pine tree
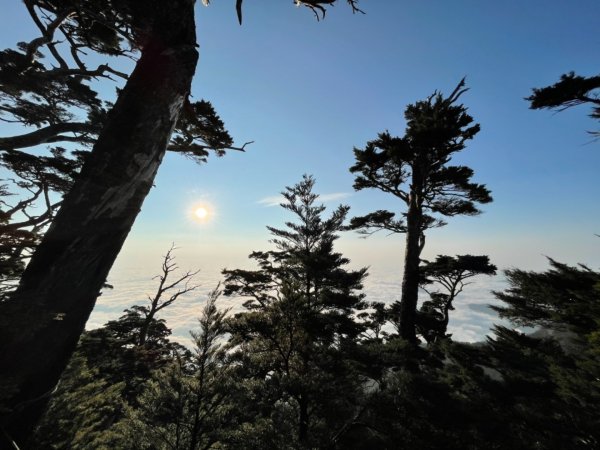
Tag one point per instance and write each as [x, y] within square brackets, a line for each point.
[415, 169]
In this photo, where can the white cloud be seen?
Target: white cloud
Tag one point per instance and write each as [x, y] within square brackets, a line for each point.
[273, 200]
[276, 200]
[334, 196]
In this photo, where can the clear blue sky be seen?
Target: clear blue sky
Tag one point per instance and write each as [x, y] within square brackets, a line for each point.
[307, 92]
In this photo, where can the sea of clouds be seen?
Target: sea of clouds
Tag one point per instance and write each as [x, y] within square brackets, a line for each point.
[469, 322]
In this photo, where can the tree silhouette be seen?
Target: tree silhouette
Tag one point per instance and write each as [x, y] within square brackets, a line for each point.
[450, 273]
[415, 169]
[300, 305]
[571, 90]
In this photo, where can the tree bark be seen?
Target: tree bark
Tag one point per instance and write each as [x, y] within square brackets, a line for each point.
[410, 280]
[42, 322]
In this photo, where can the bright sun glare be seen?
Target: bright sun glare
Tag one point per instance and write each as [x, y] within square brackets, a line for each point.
[201, 212]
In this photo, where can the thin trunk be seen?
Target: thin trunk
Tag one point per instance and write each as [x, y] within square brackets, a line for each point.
[303, 422]
[41, 324]
[410, 280]
[146, 327]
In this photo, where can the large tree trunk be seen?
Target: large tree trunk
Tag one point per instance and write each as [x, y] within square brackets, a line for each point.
[410, 280]
[41, 324]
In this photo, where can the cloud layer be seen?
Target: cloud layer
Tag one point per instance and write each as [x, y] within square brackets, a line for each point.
[470, 321]
[276, 200]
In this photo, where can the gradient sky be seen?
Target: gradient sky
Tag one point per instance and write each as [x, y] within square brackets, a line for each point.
[307, 92]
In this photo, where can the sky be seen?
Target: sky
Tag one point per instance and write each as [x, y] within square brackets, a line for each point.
[307, 92]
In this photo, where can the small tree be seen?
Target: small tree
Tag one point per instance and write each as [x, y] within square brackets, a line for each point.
[185, 405]
[449, 273]
[415, 169]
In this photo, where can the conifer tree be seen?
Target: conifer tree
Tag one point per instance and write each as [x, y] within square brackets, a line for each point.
[113, 358]
[415, 169]
[187, 404]
[450, 274]
[299, 322]
[551, 376]
[571, 90]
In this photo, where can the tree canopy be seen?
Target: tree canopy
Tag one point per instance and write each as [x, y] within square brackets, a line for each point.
[571, 90]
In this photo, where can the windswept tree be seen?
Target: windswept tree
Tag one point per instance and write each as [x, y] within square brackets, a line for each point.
[571, 90]
[448, 275]
[299, 322]
[415, 169]
[45, 316]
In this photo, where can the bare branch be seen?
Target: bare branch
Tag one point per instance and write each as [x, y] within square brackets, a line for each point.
[74, 49]
[47, 34]
[51, 133]
[158, 302]
[99, 72]
[194, 147]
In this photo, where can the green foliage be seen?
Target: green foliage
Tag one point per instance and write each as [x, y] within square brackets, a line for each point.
[296, 337]
[188, 403]
[562, 297]
[551, 376]
[84, 410]
[104, 377]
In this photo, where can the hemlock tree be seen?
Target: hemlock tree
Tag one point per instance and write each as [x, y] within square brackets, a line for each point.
[571, 90]
[46, 315]
[299, 324]
[415, 169]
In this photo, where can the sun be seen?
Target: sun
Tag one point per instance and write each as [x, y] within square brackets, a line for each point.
[201, 212]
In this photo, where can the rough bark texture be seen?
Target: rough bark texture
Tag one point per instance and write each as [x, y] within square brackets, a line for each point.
[42, 323]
